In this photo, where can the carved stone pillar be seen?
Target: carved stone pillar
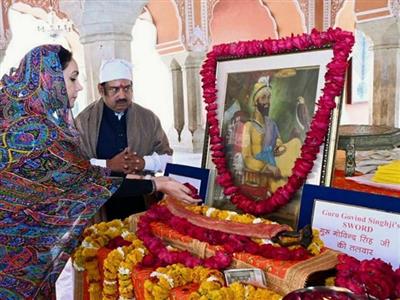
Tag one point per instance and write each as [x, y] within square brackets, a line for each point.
[5, 34]
[105, 29]
[195, 124]
[177, 90]
[386, 92]
[3, 47]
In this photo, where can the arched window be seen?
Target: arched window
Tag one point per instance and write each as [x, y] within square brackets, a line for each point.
[152, 82]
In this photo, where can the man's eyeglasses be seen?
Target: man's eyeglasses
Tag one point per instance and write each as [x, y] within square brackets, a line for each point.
[113, 90]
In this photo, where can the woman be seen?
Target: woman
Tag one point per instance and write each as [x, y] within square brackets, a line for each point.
[48, 193]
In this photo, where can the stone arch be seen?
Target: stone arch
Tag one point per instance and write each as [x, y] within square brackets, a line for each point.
[37, 8]
[345, 17]
[289, 18]
[168, 21]
[31, 29]
[240, 20]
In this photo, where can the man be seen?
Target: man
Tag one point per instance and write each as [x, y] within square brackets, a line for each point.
[263, 150]
[120, 134]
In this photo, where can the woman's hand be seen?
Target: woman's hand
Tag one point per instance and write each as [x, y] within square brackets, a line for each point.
[174, 189]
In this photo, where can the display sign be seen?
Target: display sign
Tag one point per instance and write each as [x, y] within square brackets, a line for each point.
[358, 231]
[362, 225]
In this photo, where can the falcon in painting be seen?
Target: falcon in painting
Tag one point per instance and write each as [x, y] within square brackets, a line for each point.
[302, 114]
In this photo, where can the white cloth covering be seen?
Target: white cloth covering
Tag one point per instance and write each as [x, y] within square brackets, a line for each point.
[65, 283]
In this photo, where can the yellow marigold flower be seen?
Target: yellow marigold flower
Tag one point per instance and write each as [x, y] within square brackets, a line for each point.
[330, 281]
[317, 244]
[148, 285]
[128, 236]
[160, 293]
[215, 295]
[91, 264]
[94, 288]
[162, 282]
[196, 209]
[194, 296]
[94, 276]
[125, 265]
[137, 243]
[110, 275]
[207, 286]
[238, 290]
[102, 226]
[89, 252]
[125, 289]
[187, 275]
[110, 289]
[109, 268]
[227, 293]
[222, 215]
[124, 281]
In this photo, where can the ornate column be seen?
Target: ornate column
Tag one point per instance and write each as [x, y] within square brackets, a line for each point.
[177, 90]
[5, 33]
[197, 43]
[105, 29]
[195, 124]
[385, 34]
[189, 124]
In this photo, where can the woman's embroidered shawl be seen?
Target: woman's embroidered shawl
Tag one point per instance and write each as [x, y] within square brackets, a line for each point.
[48, 193]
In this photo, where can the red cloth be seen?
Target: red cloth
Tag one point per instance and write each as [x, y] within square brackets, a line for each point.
[340, 182]
[139, 276]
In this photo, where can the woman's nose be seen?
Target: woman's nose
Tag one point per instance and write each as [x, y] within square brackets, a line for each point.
[79, 87]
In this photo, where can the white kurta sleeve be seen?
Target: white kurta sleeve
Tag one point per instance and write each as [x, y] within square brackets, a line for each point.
[98, 162]
[156, 162]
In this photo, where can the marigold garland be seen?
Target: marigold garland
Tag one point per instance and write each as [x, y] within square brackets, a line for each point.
[211, 284]
[227, 215]
[163, 279]
[341, 42]
[84, 258]
[236, 291]
[118, 266]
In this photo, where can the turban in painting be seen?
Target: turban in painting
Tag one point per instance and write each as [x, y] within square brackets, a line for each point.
[261, 87]
[48, 193]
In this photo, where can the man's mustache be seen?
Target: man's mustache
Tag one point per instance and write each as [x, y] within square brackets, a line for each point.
[122, 101]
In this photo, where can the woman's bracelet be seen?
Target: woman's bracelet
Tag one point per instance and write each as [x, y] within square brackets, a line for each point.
[154, 187]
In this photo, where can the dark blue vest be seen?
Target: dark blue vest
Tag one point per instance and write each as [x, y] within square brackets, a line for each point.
[112, 135]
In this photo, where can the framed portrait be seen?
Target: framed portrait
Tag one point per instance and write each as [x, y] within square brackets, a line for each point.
[197, 177]
[265, 107]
